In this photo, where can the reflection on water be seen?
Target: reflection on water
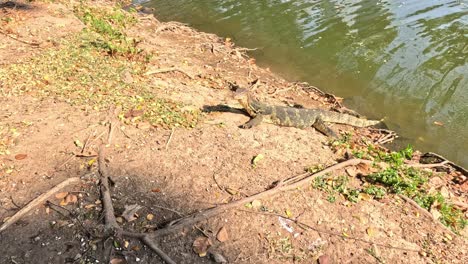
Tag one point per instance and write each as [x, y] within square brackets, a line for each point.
[402, 60]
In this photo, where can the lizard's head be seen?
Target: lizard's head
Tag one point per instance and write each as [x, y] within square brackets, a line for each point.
[243, 97]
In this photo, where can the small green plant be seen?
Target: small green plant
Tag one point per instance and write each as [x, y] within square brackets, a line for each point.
[109, 27]
[376, 191]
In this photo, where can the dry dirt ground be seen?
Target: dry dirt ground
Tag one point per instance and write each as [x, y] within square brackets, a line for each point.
[179, 171]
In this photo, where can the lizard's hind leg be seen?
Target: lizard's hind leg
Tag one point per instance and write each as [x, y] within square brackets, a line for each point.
[323, 128]
[253, 122]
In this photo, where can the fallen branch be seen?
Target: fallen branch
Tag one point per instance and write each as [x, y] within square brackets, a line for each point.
[425, 212]
[434, 165]
[171, 69]
[34, 44]
[293, 183]
[38, 201]
[108, 208]
[456, 166]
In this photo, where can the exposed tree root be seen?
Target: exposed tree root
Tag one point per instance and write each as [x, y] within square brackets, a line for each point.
[171, 69]
[426, 213]
[111, 224]
[37, 201]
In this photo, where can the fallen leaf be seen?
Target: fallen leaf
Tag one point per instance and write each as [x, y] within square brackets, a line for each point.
[288, 213]
[61, 195]
[91, 162]
[156, 190]
[364, 197]
[370, 231]
[352, 171]
[21, 156]
[363, 168]
[201, 245]
[71, 198]
[232, 191]
[435, 213]
[133, 113]
[256, 204]
[78, 143]
[222, 234]
[149, 217]
[437, 123]
[118, 261]
[130, 212]
[257, 159]
[89, 206]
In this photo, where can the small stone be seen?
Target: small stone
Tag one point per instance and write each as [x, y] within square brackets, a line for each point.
[324, 259]
[218, 258]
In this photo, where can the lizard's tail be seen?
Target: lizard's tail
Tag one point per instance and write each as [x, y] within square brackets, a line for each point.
[340, 118]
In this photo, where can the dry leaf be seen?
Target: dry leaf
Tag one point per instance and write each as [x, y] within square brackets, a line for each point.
[363, 168]
[437, 123]
[130, 212]
[364, 197]
[257, 159]
[370, 231]
[63, 202]
[232, 191]
[61, 195]
[71, 198]
[222, 234]
[201, 245]
[352, 171]
[156, 190]
[21, 156]
[118, 261]
[149, 217]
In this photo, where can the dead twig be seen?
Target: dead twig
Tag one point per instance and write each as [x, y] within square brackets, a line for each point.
[145, 239]
[426, 213]
[34, 44]
[434, 165]
[456, 166]
[70, 215]
[170, 138]
[171, 69]
[37, 201]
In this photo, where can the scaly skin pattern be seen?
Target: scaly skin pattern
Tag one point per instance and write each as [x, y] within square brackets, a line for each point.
[296, 117]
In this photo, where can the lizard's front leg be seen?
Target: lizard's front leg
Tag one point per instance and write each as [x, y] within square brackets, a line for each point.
[253, 122]
[323, 128]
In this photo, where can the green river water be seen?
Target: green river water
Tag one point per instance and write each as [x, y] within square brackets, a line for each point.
[405, 61]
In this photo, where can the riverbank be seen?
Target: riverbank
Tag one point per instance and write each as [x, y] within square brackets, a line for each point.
[178, 150]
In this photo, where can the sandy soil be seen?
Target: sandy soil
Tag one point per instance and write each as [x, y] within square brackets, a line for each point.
[179, 171]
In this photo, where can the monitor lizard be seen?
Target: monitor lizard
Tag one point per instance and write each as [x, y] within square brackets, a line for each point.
[295, 117]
